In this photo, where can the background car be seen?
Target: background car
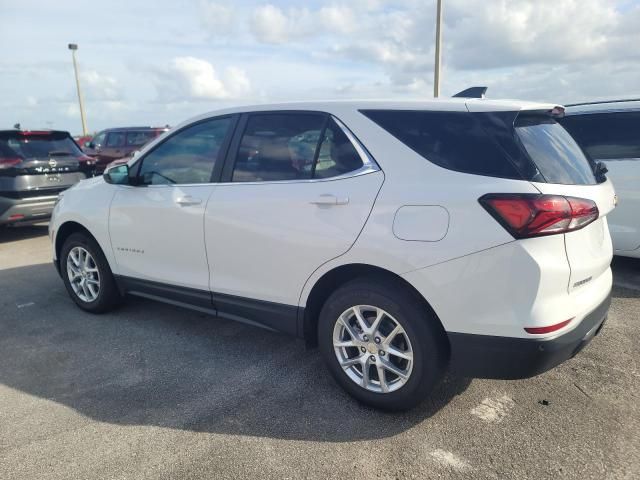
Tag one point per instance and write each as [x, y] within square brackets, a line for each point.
[35, 166]
[115, 143]
[610, 132]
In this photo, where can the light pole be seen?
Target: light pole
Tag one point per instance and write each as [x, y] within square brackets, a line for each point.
[436, 68]
[73, 47]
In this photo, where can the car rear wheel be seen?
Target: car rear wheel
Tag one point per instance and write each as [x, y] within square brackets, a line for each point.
[86, 274]
[381, 344]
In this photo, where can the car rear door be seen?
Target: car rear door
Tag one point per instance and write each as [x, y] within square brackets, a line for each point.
[297, 189]
[156, 226]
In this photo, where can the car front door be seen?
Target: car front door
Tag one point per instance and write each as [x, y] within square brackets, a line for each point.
[296, 191]
[156, 225]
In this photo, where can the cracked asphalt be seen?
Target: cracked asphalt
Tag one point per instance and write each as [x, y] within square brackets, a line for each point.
[153, 391]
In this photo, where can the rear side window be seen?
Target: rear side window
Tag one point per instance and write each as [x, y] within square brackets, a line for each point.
[39, 145]
[452, 140]
[606, 136]
[516, 145]
[556, 154]
[337, 155]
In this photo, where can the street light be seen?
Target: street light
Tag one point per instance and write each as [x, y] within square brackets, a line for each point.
[436, 68]
[73, 47]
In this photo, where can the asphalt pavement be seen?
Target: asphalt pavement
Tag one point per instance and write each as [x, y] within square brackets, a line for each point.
[154, 391]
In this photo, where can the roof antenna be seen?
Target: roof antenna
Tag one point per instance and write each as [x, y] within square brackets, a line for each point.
[17, 126]
[472, 92]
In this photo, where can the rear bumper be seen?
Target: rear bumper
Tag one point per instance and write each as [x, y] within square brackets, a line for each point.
[486, 356]
[27, 210]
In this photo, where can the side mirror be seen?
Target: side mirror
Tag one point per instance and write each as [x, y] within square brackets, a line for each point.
[89, 145]
[118, 175]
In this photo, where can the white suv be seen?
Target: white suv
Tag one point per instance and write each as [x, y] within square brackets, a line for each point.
[401, 238]
[609, 132]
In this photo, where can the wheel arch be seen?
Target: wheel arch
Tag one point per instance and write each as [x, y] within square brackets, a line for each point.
[338, 276]
[67, 229]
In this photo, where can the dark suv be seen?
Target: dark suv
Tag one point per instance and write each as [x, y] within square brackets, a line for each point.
[35, 166]
[114, 143]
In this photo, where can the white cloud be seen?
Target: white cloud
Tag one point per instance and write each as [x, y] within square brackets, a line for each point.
[191, 78]
[271, 24]
[217, 17]
[96, 86]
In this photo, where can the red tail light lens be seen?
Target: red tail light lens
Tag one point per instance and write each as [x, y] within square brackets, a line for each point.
[532, 215]
[8, 162]
[548, 329]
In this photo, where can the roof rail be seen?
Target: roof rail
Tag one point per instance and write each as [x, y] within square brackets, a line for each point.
[599, 102]
[472, 92]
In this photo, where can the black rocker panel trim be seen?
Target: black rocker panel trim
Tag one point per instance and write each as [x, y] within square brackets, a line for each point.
[270, 315]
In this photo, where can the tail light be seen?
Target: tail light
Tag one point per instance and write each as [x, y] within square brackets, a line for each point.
[533, 215]
[8, 162]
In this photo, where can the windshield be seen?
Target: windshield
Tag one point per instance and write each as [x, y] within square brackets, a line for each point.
[40, 145]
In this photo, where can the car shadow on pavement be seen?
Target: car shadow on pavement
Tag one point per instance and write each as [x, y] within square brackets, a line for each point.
[13, 234]
[158, 365]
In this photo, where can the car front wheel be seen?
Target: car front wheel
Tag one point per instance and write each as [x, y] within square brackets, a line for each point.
[86, 274]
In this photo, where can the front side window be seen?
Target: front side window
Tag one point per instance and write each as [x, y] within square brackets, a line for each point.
[606, 136]
[115, 139]
[186, 157]
[98, 140]
[288, 146]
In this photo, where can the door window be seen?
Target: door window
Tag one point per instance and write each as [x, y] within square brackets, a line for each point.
[115, 139]
[278, 146]
[98, 140]
[606, 136]
[337, 154]
[287, 146]
[186, 157]
[138, 138]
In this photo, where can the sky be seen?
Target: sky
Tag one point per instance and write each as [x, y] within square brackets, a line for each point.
[162, 61]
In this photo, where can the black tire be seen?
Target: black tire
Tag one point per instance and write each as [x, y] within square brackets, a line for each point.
[108, 297]
[423, 329]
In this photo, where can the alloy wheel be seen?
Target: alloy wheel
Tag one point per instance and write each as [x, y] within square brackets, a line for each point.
[373, 348]
[83, 274]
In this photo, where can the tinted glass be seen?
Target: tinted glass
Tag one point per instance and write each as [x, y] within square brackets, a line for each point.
[278, 146]
[115, 139]
[38, 145]
[187, 156]
[337, 154]
[553, 150]
[606, 136]
[453, 140]
[136, 139]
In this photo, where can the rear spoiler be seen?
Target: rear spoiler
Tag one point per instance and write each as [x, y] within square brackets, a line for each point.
[472, 92]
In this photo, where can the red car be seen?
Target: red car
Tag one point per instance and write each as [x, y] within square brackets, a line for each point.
[116, 143]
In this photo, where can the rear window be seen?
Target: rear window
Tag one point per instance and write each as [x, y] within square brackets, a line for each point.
[39, 145]
[606, 136]
[513, 145]
[556, 154]
[139, 138]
